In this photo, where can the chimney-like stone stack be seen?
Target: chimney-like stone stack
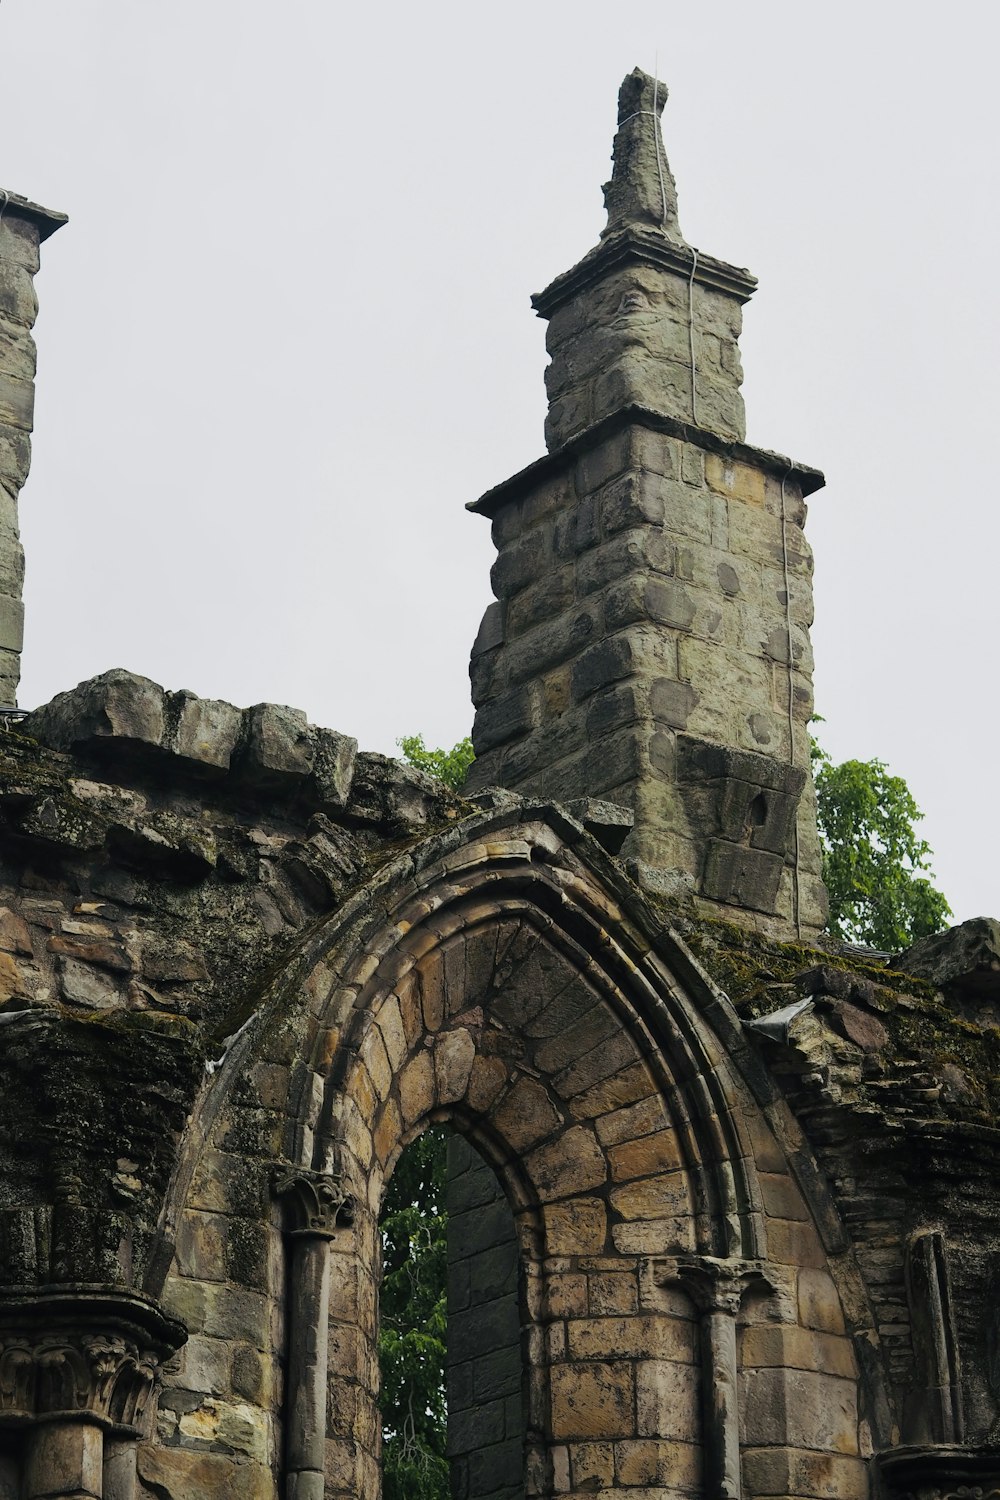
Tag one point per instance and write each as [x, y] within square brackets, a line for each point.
[650, 640]
[23, 227]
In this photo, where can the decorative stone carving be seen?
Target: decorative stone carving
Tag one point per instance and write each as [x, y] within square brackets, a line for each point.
[68, 1355]
[717, 1289]
[939, 1473]
[317, 1205]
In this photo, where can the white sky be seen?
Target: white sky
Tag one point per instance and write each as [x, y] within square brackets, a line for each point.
[286, 335]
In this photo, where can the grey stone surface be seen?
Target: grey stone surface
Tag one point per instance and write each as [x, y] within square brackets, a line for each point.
[965, 958]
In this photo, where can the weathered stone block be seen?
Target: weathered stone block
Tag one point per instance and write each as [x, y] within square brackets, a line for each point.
[601, 665]
[117, 705]
[18, 300]
[502, 719]
[207, 731]
[802, 1408]
[521, 563]
[64, 1459]
[17, 402]
[742, 877]
[592, 1400]
[666, 1399]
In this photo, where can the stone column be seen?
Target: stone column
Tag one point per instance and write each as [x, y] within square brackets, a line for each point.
[23, 226]
[316, 1206]
[717, 1287]
[79, 1370]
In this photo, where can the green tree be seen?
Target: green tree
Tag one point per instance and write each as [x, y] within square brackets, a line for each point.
[448, 766]
[872, 855]
[414, 1320]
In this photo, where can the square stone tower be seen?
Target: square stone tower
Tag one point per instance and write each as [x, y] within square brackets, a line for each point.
[649, 644]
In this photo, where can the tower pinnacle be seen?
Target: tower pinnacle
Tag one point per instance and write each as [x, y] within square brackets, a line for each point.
[642, 189]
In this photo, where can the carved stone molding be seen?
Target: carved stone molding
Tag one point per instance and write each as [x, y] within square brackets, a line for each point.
[82, 1354]
[714, 1285]
[939, 1473]
[317, 1205]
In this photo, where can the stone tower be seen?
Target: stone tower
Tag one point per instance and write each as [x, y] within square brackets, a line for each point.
[650, 640]
[23, 226]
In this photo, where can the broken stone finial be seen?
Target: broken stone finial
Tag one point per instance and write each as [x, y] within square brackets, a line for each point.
[642, 189]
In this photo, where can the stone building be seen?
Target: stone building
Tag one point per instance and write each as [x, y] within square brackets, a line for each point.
[725, 1194]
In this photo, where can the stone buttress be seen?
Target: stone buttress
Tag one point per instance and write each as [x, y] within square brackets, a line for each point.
[23, 227]
[650, 639]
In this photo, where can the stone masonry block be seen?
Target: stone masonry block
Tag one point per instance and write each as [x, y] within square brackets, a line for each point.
[577, 529]
[613, 709]
[800, 1408]
[552, 643]
[279, 744]
[742, 877]
[502, 719]
[524, 561]
[799, 1472]
[603, 664]
[603, 463]
[15, 461]
[655, 452]
[616, 559]
[17, 293]
[18, 355]
[206, 731]
[491, 631]
[633, 500]
[12, 569]
[19, 241]
[118, 705]
[765, 817]
[593, 1400]
[17, 402]
[11, 621]
[672, 703]
[64, 1459]
[540, 601]
[735, 480]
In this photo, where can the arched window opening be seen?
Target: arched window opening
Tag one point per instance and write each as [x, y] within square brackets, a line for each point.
[449, 1340]
[413, 1324]
[486, 1427]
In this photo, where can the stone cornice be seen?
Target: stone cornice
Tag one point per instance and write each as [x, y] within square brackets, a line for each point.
[650, 247]
[939, 1473]
[776, 464]
[47, 220]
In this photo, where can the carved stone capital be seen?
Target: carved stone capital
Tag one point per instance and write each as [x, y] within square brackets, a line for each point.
[714, 1285]
[83, 1355]
[316, 1205]
[939, 1472]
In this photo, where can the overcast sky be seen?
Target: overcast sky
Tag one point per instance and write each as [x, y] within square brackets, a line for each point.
[286, 336]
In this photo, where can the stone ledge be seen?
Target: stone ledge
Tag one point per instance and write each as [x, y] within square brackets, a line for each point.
[120, 716]
[552, 464]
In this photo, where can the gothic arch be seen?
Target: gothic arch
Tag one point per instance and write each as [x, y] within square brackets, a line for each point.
[506, 977]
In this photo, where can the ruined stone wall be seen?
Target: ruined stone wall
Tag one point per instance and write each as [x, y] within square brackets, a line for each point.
[226, 1014]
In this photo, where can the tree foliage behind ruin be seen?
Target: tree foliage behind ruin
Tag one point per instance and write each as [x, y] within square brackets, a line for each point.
[873, 858]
